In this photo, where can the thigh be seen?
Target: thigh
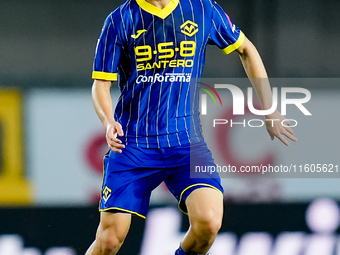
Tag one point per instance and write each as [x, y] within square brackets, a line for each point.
[205, 204]
[115, 225]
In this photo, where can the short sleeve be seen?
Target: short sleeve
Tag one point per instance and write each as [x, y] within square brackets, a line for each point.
[226, 35]
[108, 51]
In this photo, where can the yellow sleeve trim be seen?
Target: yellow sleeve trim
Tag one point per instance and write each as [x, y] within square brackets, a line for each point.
[236, 45]
[104, 76]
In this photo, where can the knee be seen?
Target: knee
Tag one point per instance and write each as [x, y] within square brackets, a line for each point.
[109, 245]
[207, 224]
[109, 242]
[111, 233]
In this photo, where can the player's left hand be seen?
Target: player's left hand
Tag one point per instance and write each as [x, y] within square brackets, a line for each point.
[275, 128]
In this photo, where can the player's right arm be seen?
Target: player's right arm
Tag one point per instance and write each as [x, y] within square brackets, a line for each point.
[105, 71]
[102, 102]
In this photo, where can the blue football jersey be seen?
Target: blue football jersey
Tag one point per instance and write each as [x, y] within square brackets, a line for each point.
[155, 54]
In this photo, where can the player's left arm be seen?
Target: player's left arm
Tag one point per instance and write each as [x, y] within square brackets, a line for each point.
[257, 74]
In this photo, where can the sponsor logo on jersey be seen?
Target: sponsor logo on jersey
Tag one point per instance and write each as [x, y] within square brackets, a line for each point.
[168, 77]
[189, 28]
[166, 51]
[139, 33]
[165, 64]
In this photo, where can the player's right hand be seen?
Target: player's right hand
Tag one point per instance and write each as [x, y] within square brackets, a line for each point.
[113, 129]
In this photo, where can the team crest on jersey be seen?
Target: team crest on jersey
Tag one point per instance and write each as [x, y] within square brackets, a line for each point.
[189, 28]
[106, 193]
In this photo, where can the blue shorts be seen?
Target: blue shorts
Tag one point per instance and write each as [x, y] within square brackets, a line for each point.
[130, 176]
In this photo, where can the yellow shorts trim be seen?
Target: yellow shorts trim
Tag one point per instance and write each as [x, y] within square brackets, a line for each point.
[197, 184]
[123, 210]
[104, 76]
[236, 45]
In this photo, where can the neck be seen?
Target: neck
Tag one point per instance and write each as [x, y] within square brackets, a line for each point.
[159, 3]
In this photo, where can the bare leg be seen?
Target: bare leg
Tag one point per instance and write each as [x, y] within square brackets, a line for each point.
[205, 209]
[111, 233]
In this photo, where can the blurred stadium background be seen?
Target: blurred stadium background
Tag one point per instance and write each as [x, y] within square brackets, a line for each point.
[51, 141]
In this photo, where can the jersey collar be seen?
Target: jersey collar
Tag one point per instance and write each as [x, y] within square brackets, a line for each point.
[162, 13]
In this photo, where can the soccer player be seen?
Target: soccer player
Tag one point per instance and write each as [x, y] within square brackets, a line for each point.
[154, 49]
